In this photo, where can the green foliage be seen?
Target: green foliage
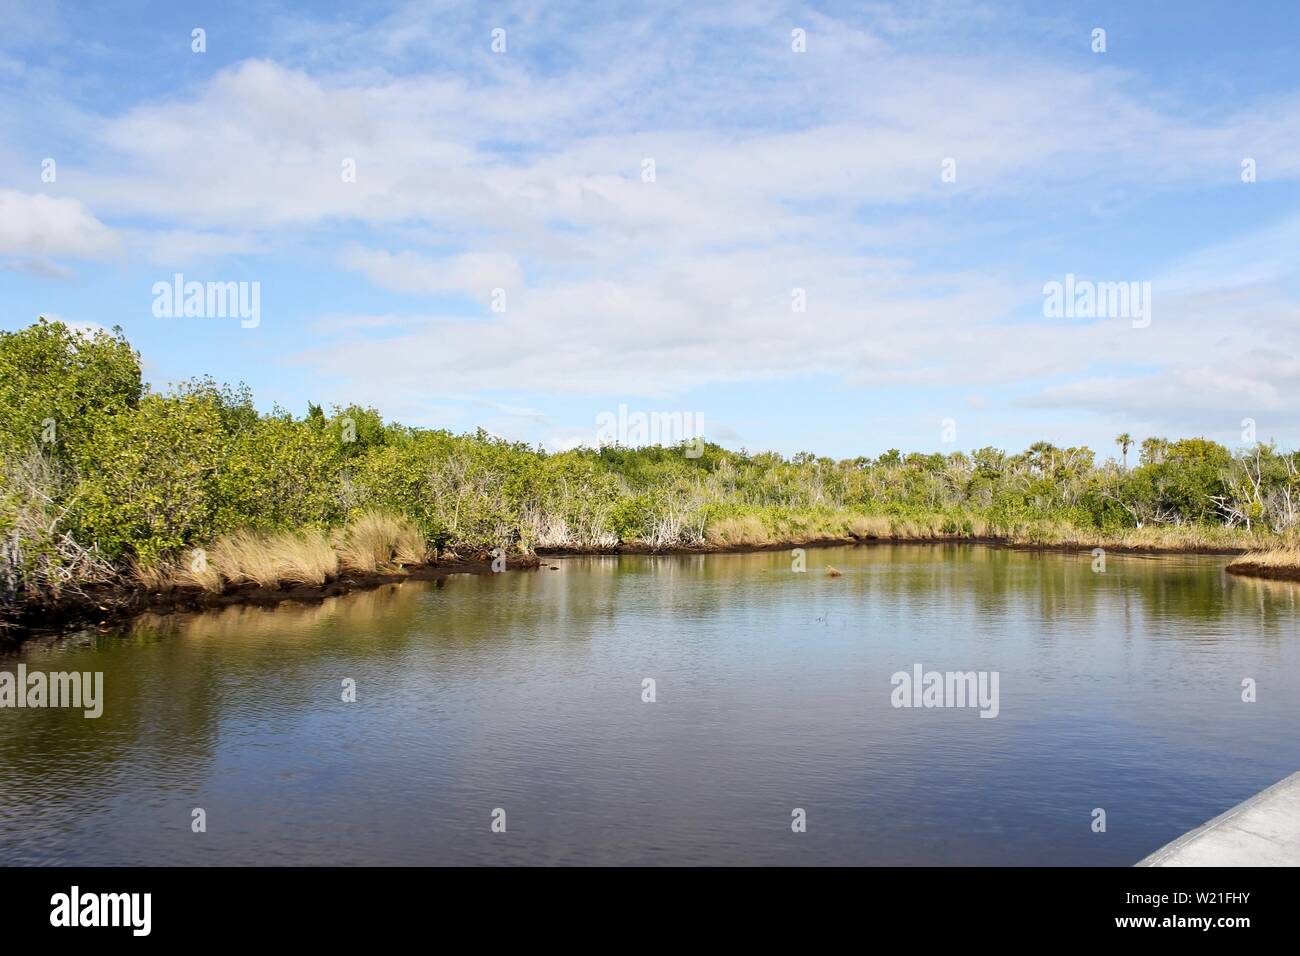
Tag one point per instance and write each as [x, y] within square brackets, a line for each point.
[51, 374]
[279, 474]
[149, 479]
[631, 517]
[139, 476]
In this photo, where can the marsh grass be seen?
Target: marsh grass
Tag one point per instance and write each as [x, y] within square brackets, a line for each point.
[156, 576]
[765, 527]
[163, 576]
[1286, 557]
[868, 526]
[380, 542]
[748, 530]
[269, 561]
[247, 557]
[372, 543]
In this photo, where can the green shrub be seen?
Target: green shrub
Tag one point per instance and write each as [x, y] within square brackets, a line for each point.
[142, 477]
[149, 480]
[53, 378]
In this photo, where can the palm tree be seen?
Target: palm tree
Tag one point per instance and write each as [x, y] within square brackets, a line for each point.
[1041, 456]
[1125, 442]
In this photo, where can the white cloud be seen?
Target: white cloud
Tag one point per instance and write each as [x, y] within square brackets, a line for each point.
[474, 273]
[37, 225]
[40, 268]
[773, 171]
[184, 247]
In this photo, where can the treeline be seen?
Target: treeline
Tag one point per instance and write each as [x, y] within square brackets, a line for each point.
[100, 473]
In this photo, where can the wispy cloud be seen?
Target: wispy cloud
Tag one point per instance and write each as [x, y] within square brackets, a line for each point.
[653, 190]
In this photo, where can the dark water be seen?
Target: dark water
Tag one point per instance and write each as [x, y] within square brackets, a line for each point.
[523, 691]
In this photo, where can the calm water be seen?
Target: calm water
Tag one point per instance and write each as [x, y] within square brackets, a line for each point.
[523, 691]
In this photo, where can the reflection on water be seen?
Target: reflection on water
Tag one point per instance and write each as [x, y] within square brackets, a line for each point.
[523, 691]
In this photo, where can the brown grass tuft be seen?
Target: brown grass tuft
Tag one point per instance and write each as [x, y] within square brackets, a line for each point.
[373, 542]
[246, 557]
[157, 576]
[304, 558]
[1270, 558]
[729, 532]
[377, 541]
[191, 571]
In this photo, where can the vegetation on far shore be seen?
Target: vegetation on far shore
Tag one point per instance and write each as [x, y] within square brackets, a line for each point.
[108, 483]
[1282, 563]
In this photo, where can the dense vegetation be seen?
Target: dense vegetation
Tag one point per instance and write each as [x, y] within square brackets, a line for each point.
[101, 474]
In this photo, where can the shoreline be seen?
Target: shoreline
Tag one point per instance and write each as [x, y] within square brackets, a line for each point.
[1273, 572]
[635, 547]
[108, 606]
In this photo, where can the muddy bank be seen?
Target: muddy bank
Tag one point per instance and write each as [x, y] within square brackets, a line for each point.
[640, 547]
[1122, 548]
[1274, 572]
[108, 605]
[636, 547]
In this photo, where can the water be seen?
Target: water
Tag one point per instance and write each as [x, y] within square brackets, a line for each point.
[523, 691]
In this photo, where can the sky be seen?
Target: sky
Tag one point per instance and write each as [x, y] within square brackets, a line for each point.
[835, 240]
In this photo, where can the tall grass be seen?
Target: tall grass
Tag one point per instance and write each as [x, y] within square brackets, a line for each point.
[760, 527]
[380, 542]
[271, 560]
[371, 543]
[746, 530]
[1287, 557]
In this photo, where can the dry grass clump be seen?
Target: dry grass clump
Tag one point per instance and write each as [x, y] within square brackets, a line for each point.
[193, 570]
[1186, 537]
[908, 528]
[305, 558]
[196, 570]
[745, 530]
[868, 526]
[268, 561]
[157, 576]
[781, 525]
[377, 541]
[1285, 557]
[373, 542]
[1154, 537]
[245, 557]
[1176, 537]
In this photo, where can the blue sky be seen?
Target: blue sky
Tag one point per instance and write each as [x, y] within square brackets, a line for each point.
[774, 170]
